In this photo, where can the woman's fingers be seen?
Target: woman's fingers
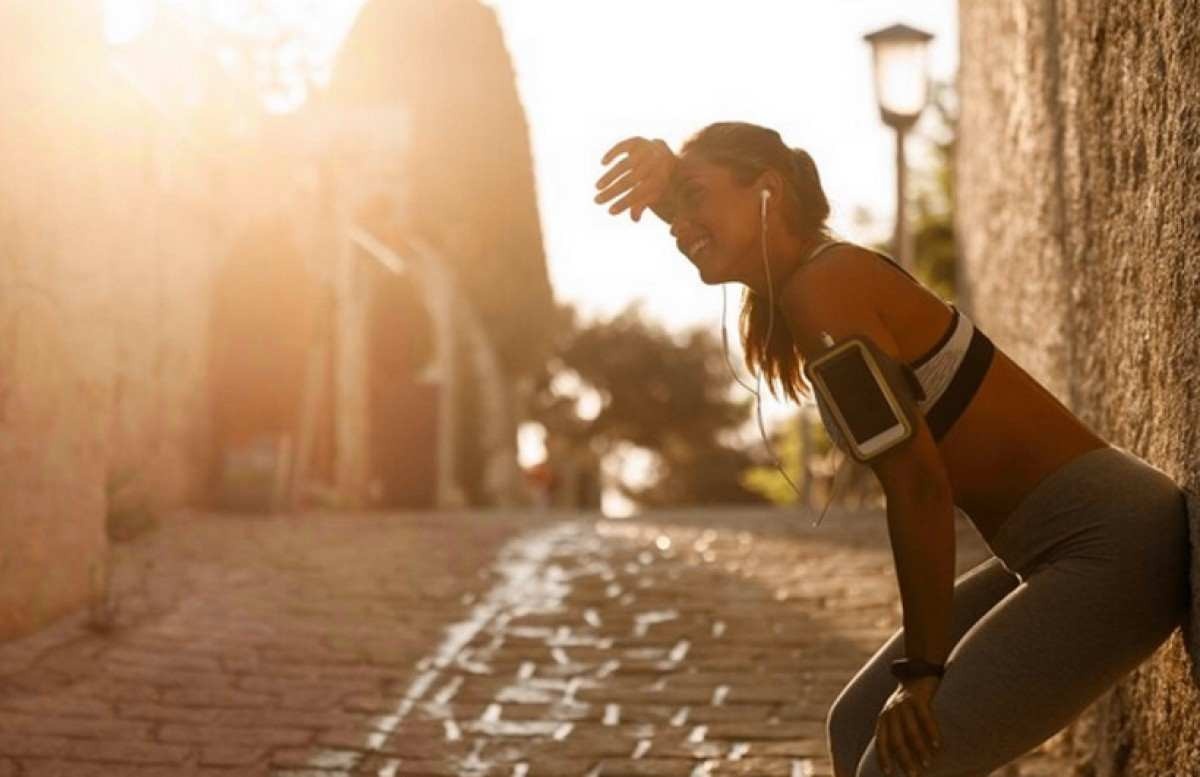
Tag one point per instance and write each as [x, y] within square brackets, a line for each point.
[883, 747]
[641, 165]
[620, 187]
[650, 198]
[642, 176]
[645, 188]
[616, 172]
[621, 204]
[628, 145]
[638, 205]
[929, 726]
[902, 753]
[914, 735]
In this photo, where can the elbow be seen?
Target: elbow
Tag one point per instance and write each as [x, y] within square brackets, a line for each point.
[914, 473]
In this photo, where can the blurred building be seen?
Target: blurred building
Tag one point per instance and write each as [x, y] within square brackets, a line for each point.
[434, 173]
[189, 286]
[1079, 224]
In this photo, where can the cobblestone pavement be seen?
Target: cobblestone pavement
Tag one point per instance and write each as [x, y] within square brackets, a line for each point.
[705, 642]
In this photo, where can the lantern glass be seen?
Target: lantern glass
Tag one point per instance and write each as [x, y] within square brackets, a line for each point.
[901, 81]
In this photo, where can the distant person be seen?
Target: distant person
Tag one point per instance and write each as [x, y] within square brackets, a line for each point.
[541, 483]
[1091, 543]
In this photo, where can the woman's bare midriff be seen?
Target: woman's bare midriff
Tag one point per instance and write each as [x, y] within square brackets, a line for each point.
[1013, 433]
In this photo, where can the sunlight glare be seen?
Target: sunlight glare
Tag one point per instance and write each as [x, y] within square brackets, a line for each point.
[531, 444]
[124, 20]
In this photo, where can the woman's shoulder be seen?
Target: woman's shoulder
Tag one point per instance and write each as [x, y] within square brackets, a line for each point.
[870, 264]
[840, 261]
[841, 273]
[837, 293]
[853, 283]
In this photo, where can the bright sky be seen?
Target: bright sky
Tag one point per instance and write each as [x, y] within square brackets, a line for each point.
[591, 72]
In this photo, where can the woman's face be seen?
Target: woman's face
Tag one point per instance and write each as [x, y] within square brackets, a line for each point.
[716, 224]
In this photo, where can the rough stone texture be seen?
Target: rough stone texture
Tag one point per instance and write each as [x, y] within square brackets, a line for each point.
[53, 294]
[1079, 223]
[101, 324]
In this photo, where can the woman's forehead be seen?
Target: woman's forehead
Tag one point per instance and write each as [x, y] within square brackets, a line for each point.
[696, 167]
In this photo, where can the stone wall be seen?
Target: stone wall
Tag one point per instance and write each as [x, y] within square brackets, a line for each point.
[1079, 229]
[105, 256]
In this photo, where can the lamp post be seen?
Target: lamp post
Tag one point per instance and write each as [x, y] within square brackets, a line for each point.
[902, 89]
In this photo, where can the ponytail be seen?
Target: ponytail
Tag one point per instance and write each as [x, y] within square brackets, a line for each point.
[778, 360]
[814, 207]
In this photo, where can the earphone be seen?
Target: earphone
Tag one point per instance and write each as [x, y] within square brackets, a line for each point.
[764, 195]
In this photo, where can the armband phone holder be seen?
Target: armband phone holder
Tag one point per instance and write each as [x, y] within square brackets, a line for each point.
[870, 396]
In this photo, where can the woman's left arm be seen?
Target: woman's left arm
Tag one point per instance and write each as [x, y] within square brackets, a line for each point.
[920, 502]
[920, 516]
[920, 509]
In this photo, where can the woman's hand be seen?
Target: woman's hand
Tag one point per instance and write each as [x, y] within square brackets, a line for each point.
[643, 176]
[906, 734]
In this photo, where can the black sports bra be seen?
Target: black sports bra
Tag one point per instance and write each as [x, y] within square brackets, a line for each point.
[949, 373]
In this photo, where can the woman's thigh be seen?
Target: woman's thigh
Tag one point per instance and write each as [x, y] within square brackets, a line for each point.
[1032, 663]
[851, 720]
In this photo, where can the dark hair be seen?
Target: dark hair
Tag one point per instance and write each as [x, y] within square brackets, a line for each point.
[748, 150]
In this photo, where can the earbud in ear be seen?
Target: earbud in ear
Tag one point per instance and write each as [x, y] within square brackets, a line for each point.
[765, 194]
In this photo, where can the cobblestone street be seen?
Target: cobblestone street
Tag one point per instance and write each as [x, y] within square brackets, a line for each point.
[701, 642]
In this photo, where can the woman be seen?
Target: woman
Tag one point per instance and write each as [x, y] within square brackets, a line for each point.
[1090, 568]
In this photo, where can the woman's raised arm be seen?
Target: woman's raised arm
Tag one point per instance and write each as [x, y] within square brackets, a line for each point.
[643, 176]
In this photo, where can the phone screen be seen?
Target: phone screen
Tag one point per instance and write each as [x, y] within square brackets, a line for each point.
[863, 405]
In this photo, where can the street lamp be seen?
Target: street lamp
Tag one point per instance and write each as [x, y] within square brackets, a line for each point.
[902, 88]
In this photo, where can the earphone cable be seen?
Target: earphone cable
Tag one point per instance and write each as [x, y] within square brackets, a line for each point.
[725, 344]
[757, 389]
[762, 430]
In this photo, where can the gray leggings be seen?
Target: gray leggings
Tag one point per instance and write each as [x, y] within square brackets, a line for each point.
[1090, 576]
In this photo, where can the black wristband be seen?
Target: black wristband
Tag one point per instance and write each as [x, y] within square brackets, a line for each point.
[912, 668]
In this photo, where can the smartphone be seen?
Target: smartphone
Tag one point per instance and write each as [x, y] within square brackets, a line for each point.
[861, 399]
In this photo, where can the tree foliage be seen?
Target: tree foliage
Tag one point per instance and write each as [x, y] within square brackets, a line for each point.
[627, 381]
[766, 479]
[935, 253]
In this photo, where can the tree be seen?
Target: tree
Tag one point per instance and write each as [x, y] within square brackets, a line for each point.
[935, 252]
[626, 381]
